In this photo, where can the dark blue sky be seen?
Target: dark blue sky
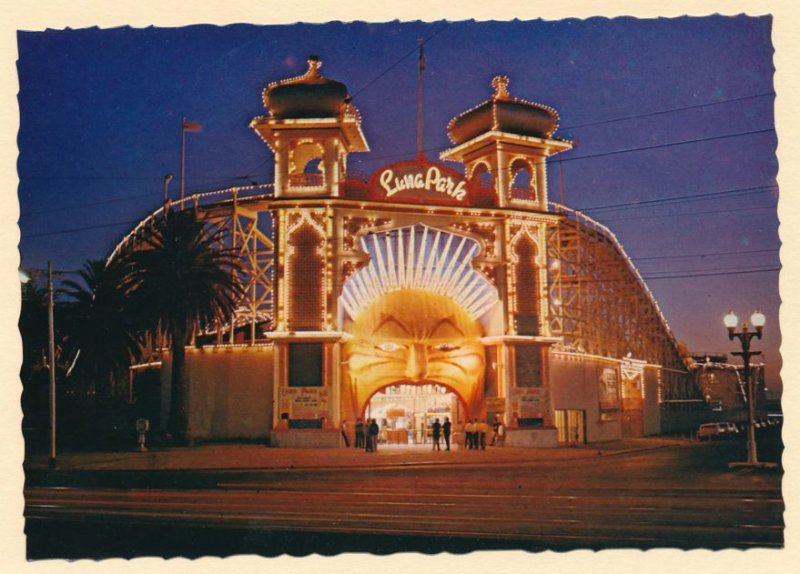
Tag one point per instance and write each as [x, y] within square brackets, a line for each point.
[101, 110]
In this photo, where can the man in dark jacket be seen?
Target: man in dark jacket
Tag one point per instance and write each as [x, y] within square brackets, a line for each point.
[359, 433]
[436, 433]
[446, 428]
[373, 436]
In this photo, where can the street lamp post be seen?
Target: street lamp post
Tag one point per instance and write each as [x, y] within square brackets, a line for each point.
[757, 320]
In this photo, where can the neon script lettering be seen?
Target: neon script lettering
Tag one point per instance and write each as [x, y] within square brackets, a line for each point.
[432, 180]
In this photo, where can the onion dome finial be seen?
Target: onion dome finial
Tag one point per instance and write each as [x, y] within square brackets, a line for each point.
[311, 95]
[500, 85]
[505, 113]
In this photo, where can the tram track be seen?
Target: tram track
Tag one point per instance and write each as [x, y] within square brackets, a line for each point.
[526, 517]
[663, 498]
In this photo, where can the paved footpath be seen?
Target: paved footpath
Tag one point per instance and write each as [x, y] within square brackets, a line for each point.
[260, 457]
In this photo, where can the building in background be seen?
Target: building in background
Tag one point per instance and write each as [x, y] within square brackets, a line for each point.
[724, 389]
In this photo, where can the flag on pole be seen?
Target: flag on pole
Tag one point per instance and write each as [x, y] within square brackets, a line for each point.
[421, 56]
[190, 126]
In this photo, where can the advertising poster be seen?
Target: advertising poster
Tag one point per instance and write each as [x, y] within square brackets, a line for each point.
[304, 402]
[607, 390]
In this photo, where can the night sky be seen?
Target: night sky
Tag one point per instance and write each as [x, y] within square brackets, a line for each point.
[100, 116]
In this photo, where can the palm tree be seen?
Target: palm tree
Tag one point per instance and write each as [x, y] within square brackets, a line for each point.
[185, 280]
[101, 329]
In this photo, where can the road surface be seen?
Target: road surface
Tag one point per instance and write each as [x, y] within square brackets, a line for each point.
[680, 496]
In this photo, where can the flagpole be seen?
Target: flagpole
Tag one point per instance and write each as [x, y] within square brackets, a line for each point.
[183, 158]
[419, 99]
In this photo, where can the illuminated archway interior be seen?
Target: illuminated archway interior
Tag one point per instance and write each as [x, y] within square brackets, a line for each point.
[405, 413]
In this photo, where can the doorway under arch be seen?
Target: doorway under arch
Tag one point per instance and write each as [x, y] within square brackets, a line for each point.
[405, 412]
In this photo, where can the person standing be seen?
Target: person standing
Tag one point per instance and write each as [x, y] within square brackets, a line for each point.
[495, 425]
[483, 430]
[373, 435]
[367, 437]
[501, 433]
[446, 428]
[436, 432]
[344, 434]
[359, 433]
[469, 430]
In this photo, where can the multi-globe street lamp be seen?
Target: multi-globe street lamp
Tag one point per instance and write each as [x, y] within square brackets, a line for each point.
[757, 320]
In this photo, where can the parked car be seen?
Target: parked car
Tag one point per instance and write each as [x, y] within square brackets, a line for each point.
[732, 428]
[716, 431]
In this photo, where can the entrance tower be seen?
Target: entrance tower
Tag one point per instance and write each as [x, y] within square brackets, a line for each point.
[311, 128]
[503, 144]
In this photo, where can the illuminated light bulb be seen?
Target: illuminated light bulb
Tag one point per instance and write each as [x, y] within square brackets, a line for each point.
[731, 320]
[757, 319]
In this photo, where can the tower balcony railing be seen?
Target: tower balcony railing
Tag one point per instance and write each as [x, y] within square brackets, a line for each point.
[523, 193]
[306, 180]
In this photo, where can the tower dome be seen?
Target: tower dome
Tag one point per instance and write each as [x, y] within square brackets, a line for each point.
[311, 95]
[504, 113]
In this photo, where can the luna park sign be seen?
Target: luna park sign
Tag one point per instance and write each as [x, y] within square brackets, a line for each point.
[416, 181]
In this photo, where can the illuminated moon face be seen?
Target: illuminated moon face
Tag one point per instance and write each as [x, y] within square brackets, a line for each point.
[416, 337]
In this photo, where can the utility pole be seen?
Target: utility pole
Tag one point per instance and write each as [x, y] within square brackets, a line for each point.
[52, 364]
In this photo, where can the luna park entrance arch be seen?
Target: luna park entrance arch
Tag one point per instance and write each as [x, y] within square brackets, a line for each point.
[415, 315]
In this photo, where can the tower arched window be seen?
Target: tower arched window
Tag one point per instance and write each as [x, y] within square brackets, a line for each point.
[305, 165]
[482, 182]
[482, 177]
[523, 180]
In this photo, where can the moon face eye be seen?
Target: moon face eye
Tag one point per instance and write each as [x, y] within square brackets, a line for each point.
[446, 347]
[388, 346]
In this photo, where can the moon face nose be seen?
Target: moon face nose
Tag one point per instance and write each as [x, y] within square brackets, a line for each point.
[417, 362]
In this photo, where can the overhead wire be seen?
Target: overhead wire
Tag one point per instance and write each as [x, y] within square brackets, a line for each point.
[687, 213]
[667, 111]
[682, 198]
[711, 254]
[398, 62]
[711, 274]
[668, 144]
